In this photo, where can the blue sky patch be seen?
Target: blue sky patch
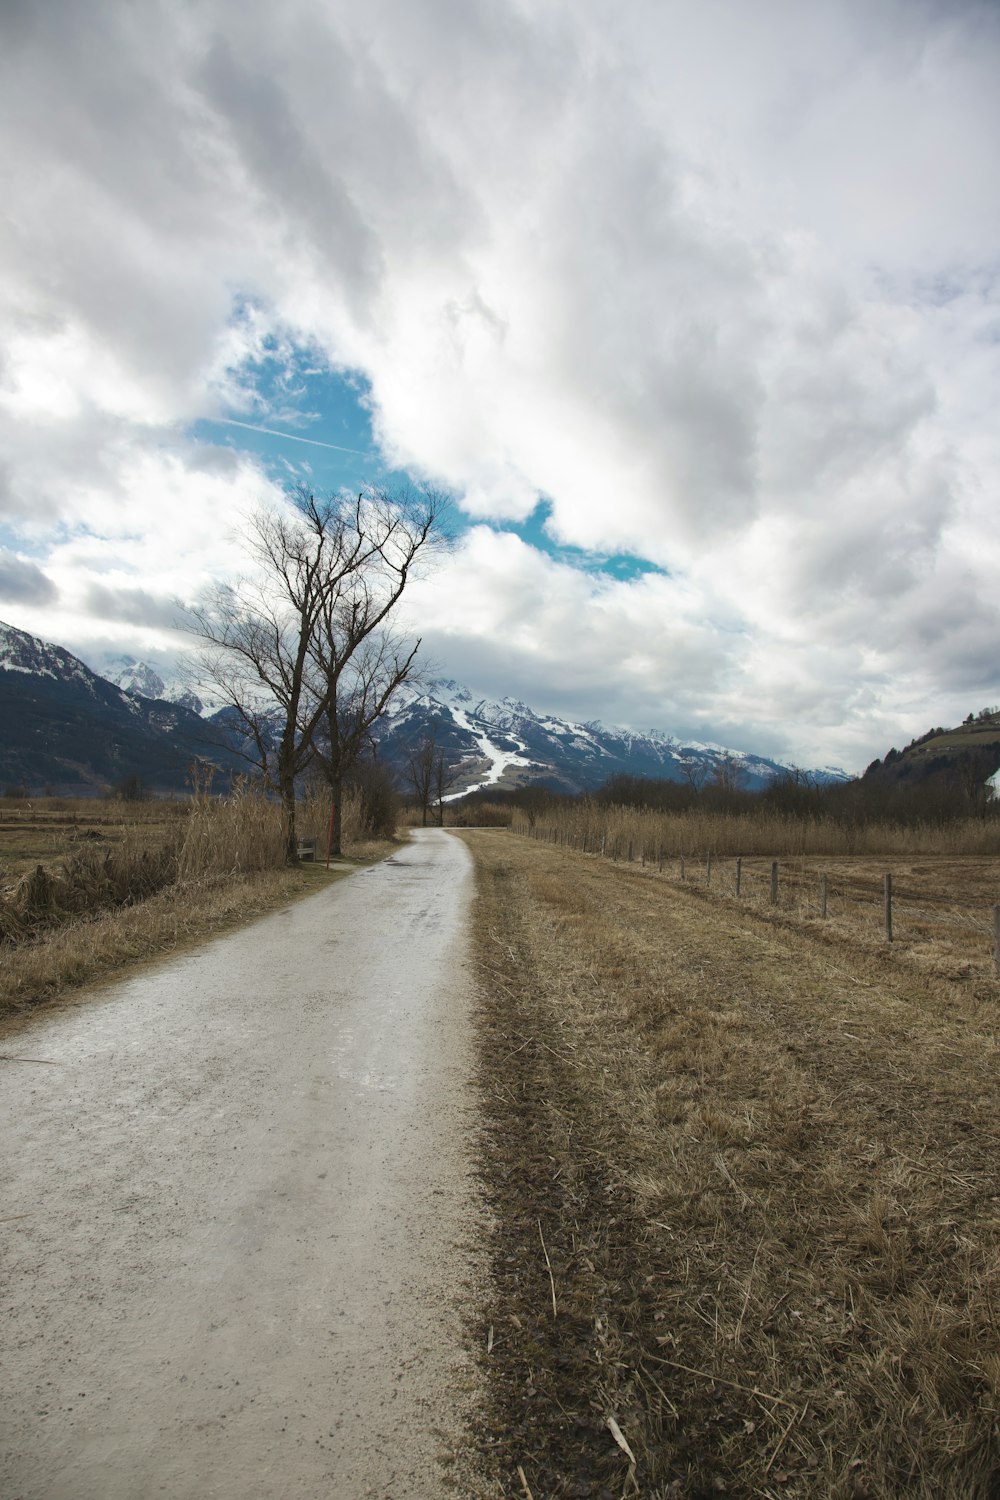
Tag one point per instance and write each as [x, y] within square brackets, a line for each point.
[535, 532]
[307, 423]
[303, 421]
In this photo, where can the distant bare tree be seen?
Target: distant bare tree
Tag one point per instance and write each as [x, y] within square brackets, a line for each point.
[421, 765]
[973, 770]
[695, 773]
[729, 774]
[445, 776]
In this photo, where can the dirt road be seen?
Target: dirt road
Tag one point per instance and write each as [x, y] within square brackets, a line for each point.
[238, 1209]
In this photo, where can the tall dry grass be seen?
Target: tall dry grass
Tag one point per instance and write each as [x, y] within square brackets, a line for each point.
[461, 815]
[207, 839]
[93, 880]
[312, 818]
[133, 887]
[234, 835]
[611, 829]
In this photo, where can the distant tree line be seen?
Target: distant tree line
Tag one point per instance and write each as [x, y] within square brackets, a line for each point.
[945, 789]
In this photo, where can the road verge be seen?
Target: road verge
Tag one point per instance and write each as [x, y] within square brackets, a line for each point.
[745, 1201]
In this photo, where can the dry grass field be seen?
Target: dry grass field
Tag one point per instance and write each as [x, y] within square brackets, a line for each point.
[89, 888]
[743, 1170]
[46, 830]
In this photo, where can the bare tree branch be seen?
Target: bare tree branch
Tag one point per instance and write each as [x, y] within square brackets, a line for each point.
[298, 650]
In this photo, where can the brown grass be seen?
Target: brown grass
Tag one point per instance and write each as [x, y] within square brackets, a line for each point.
[762, 1159]
[127, 882]
[476, 815]
[697, 832]
[942, 905]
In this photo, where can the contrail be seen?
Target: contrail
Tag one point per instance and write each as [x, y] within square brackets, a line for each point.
[292, 437]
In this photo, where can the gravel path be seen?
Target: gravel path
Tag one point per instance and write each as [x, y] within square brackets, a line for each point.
[238, 1210]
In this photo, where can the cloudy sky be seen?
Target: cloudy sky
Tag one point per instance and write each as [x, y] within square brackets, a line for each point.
[694, 306]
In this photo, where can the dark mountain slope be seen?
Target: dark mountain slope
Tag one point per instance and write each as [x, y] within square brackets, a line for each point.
[62, 725]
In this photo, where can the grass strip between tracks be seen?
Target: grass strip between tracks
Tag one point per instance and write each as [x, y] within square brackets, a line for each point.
[745, 1193]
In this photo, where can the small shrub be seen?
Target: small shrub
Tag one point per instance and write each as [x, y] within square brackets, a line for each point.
[130, 789]
[379, 800]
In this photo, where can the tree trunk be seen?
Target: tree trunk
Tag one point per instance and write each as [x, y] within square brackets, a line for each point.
[337, 793]
[285, 772]
[287, 788]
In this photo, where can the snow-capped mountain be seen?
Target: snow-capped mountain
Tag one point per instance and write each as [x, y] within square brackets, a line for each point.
[507, 744]
[144, 681]
[32, 657]
[65, 726]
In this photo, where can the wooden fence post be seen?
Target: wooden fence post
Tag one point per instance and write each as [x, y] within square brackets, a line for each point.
[604, 843]
[683, 877]
[888, 907]
[822, 895]
[774, 882]
[708, 869]
[739, 874]
[630, 851]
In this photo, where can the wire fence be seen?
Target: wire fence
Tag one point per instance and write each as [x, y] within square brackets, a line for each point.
[797, 885]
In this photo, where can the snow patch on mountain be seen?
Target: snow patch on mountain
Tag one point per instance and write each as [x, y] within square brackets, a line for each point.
[139, 677]
[500, 761]
[21, 652]
[519, 745]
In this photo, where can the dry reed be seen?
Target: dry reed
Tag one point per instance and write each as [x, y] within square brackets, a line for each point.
[696, 832]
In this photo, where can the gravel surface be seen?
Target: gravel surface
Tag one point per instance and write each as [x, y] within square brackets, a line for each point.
[239, 1218]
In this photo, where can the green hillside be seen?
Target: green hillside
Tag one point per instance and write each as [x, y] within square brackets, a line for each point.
[969, 753]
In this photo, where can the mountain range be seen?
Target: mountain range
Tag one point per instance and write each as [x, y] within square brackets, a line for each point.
[506, 744]
[66, 726]
[63, 726]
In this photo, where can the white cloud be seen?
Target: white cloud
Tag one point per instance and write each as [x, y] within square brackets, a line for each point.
[721, 282]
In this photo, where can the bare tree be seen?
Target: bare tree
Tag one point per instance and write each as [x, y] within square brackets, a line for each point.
[356, 665]
[420, 768]
[728, 774]
[278, 646]
[357, 694]
[695, 772]
[444, 776]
